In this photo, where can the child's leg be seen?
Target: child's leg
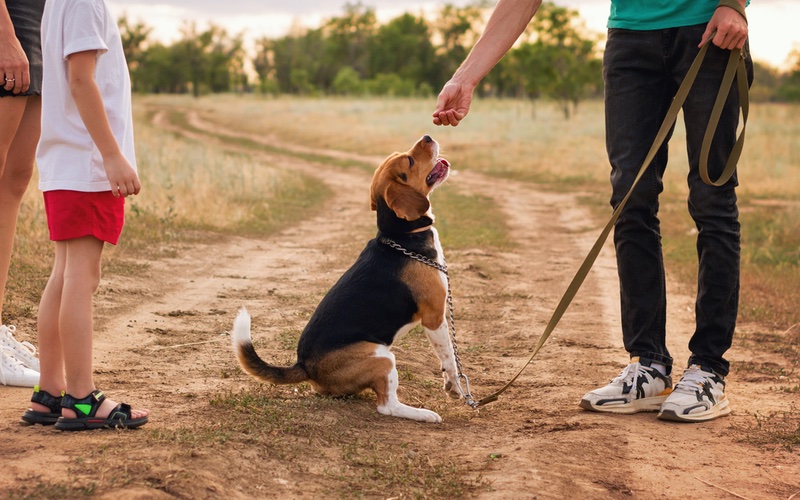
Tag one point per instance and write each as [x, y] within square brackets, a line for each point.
[51, 359]
[81, 278]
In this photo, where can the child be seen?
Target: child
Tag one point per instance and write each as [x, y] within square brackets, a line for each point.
[86, 169]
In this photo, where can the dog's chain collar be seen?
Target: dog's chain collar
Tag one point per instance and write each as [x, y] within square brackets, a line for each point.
[467, 394]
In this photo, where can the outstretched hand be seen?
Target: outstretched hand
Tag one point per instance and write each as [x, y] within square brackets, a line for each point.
[453, 104]
[730, 27]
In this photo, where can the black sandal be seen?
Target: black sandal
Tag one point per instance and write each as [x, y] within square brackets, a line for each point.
[119, 418]
[32, 417]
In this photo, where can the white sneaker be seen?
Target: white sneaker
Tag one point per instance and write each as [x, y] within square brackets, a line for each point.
[638, 388]
[23, 351]
[699, 396]
[12, 372]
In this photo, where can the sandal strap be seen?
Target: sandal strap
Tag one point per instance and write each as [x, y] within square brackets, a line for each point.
[46, 399]
[87, 406]
[121, 412]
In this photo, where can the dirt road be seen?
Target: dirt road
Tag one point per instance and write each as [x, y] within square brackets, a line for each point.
[162, 343]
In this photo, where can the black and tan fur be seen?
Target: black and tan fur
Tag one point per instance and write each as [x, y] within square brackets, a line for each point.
[345, 347]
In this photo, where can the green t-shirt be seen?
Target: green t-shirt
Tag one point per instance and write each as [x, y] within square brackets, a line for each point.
[659, 14]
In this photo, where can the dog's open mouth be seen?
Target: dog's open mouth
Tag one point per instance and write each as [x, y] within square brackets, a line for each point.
[439, 172]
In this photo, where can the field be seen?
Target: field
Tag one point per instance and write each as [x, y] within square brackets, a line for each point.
[263, 203]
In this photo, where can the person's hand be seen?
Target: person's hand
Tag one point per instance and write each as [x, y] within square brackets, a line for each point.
[453, 104]
[14, 74]
[731, 29]
[121, 176]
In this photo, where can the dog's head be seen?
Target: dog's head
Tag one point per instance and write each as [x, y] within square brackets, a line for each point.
[404, 181]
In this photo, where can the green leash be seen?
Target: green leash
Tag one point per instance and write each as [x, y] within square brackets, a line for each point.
[735, 67]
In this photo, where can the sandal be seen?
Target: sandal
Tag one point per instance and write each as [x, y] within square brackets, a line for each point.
[119, 418]
[32, 417]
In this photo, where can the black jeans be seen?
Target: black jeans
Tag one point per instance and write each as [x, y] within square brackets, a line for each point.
[642, 72]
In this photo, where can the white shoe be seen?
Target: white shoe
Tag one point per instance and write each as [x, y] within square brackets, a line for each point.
[23, 351]
[699, 396]
[12, 372]
[638, 388]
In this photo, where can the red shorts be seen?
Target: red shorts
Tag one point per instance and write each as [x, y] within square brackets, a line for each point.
[74, 214]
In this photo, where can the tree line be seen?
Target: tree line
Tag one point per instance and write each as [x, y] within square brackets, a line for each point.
[410, 55]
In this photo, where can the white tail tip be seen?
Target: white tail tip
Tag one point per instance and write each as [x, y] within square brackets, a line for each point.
[241, 328]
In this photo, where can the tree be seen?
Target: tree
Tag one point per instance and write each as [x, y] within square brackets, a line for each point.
[346, 42]
[134, 44]
[789, 90]
[459, 29]
[403, 46]
[561, 61]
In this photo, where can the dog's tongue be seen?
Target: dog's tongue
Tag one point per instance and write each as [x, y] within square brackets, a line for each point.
[441, 164]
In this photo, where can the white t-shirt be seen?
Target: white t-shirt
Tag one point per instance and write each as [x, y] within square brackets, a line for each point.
[67, 157]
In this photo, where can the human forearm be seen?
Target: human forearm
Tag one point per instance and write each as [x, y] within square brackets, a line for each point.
[89, 102]
[507, 22]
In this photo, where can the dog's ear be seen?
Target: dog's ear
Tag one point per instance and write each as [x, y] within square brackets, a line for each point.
[405, 202]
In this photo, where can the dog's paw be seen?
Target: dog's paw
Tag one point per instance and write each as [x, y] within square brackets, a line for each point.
[405, 411]
[451, 386]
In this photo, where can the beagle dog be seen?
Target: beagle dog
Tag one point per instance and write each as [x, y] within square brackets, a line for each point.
[345, 347]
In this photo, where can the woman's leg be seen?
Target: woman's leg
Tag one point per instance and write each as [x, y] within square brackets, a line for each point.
[19, 134]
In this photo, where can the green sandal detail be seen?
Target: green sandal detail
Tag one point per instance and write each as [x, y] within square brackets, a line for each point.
[86, 408]
[32, 417]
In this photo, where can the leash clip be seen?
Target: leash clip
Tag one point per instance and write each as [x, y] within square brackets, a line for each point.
[468, 399]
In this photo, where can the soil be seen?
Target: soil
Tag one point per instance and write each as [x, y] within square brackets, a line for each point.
[162, 343]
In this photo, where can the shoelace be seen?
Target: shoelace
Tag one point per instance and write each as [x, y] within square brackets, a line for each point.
[8, 362]
[12, 342]
[632, 372]
[693, 378]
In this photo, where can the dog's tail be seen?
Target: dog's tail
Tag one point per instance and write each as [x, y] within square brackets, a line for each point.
[252, 364]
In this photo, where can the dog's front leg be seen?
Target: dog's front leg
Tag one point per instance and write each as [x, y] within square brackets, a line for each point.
[440, 340]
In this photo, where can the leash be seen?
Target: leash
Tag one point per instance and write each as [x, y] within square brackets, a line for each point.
[460, 376]
[736, 68]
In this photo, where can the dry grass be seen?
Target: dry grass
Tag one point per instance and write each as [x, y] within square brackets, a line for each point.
[193, 189]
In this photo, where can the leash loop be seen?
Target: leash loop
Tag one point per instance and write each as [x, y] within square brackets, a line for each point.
[464, 389]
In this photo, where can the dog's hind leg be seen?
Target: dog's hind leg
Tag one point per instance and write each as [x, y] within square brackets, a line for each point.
[440, 341]
[385, 387]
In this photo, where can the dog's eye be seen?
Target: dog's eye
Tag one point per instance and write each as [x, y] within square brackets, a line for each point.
[403, 177]
[410, 161]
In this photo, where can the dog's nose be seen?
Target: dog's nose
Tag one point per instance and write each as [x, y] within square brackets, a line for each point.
[427, 138]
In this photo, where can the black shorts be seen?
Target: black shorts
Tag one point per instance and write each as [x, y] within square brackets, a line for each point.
[26, 15]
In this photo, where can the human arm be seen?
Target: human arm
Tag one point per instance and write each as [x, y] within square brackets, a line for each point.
[730, 25]
[84, 90]
[506, 24]
[13, 61]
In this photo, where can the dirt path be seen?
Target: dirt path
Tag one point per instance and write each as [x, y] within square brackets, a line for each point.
[162, 343]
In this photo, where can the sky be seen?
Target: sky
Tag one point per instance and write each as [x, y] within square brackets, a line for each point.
[773, 23]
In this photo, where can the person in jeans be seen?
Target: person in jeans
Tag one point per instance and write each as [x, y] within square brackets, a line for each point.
[649, 50]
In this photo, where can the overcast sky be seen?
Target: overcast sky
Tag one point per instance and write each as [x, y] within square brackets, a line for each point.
[773, 23]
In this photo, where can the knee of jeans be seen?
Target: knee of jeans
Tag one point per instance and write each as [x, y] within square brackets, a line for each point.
[708, 204]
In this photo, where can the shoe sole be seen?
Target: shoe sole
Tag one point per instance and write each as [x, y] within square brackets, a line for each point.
[716, 411]
[31, 417]
[639, 405]
[89, 423]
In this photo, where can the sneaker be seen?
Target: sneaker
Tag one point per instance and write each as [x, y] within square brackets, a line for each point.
[23, 351]
[699, 396]
[12, 372]
[619, 396]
